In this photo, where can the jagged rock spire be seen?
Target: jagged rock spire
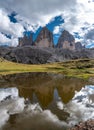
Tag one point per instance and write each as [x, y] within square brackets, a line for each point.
[26, 41]
[66, 41]
[45, 38]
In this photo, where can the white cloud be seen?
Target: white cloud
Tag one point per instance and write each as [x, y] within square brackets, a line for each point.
[31, 14]
[4, 39]
[38, 11]
[14, 42]
[6, 26]
[83, 18]
[56, 30]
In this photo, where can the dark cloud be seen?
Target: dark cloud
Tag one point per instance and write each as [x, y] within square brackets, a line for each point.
[36, 10]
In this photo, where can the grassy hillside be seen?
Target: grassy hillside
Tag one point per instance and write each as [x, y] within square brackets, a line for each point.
[83, 68]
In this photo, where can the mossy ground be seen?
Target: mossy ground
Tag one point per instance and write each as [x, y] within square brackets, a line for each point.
[82, 68]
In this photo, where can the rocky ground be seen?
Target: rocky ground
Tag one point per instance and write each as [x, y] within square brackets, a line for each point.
[88, 125]
[36, 55]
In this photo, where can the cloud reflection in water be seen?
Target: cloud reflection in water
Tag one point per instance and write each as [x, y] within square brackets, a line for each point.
[32, 116]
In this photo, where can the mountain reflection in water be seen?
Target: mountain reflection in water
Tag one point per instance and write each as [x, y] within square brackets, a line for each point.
[43, 101]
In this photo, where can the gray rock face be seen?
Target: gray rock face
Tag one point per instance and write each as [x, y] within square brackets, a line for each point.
[78, 46]
[36, 55]
[66, 41]
[27, 55]
[44, 39]
[4, 51]
[25, 41]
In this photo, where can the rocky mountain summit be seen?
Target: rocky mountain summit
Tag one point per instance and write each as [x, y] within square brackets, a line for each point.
[45, 39]
[66, 41]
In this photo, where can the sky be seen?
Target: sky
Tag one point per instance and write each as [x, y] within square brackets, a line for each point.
[20, 16]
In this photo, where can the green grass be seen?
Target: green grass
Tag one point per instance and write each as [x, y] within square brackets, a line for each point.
[82, 68]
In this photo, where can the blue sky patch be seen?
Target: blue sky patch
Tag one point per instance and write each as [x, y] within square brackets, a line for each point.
[12, 17]
[57, 21]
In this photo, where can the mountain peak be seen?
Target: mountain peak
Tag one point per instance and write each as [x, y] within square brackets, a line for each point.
[26, 41]
[65, 32]
[45, 38]
[45, 28]
[66, 41]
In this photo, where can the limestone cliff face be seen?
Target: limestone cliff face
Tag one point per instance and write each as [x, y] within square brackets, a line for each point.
[25, 41]
[66, 41]
[44, 39]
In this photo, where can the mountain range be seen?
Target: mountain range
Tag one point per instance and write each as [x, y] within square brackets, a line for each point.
[45, 39]
[43, 50]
